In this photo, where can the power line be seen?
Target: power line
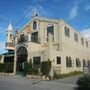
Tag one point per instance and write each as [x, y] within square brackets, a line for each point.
[28, 11]
[31, 9]
[4, 18]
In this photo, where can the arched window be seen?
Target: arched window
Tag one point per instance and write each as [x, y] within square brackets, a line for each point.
[67, 31]
[68, 61]
[66, 57]
[76, 37]
[69, 58]
[82, 41]
[34, 25]
[78, 63]
[86, 43]
[10, 36]
[21, 50]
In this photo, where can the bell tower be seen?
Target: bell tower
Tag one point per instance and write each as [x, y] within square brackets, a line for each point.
[9, 38]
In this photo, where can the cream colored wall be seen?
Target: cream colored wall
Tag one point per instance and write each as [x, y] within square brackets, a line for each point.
[51, 51]
[8, 39]
[43, 30]
[74, 49]
[34, 47]
[66, 46]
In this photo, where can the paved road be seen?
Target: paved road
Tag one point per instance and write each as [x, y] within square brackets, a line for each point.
[23, 83]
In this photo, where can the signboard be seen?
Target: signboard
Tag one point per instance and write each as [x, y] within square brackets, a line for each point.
[85, 70]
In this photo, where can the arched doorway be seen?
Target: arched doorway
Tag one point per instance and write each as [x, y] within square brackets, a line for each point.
[21, 58]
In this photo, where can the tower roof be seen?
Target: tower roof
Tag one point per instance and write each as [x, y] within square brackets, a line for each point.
[10, 27]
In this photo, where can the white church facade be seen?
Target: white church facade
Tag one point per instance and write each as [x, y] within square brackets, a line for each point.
[42, 39]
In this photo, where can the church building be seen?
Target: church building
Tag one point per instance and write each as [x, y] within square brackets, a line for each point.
[44, 39]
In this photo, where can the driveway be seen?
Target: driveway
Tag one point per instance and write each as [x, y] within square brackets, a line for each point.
[22, 83]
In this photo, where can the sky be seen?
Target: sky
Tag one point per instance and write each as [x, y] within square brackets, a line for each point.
[74, 12]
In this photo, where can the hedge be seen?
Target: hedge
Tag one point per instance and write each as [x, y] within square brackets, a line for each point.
[0, 57]
[45, 67]
[28, 69]
[6, 67]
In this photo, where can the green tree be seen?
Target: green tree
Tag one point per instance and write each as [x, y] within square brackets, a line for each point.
[84, 83]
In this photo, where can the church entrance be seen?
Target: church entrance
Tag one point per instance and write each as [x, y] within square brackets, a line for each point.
[21, 58]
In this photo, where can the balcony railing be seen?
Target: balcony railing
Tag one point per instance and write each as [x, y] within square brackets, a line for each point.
[8, 44]
[23, 39]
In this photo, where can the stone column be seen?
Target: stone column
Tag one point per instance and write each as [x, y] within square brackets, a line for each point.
[29, 37]
[50, 52]
[14, 67]
[15, 60]
[2, 59]
[28, 58]
[52, 71]
[29, 40]
[28, 50]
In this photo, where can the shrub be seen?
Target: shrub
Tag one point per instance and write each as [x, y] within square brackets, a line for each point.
[2, 67]
[84, 83]
[27, 68]
[58, 76]
[34, 71]
[45, 67]
[9, 67]
[6, 67]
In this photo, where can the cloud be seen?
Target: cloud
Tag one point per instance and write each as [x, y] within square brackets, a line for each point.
[4, 19]
[73, 12]
[2, 47]
[2, 30]
[87, 7]
[86, 33]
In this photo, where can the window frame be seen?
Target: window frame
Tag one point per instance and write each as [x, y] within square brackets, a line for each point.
[78, 62]
[68, 61]
[58, 60]
[50, 29]
[34, 37]
[34, 61]
[34, 24]
[10, 36]
[76, 37]
[82, 41]
[67, 31]
[86, 43]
